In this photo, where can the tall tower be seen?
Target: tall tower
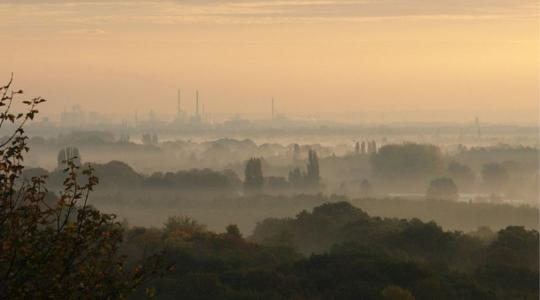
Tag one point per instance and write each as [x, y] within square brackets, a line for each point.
[197, 103]
[273, 110]
[477, 121]
[202, 110]
[179, 108]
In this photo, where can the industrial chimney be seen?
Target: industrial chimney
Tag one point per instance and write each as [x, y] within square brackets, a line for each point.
[197, 103]
[179, 108]
[273, 111]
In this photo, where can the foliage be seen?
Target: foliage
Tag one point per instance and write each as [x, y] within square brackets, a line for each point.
[117, 175]
[296, 177]
[55, 247]
[367, 258]
[366, 190]
[312, 175]
[393, 292]
[183, 226]
[309, 179]
[407, 163]
[495, 176]
[233, 230]
[461, 174]
[254, 179]
[276, 183]
[443, 189]
[476, 157]
[192, 180]
[67, 154]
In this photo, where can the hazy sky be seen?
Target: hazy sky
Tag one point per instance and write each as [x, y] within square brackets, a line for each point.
[426, 60]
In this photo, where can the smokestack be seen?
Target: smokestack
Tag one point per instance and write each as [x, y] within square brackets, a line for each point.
[273, 111]
[477, 121]
[197, 103]
[179, 112]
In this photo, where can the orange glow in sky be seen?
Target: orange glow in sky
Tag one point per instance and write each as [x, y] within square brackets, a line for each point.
[404, 60]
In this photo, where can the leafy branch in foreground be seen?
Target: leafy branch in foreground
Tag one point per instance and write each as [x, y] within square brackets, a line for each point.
[56, 246]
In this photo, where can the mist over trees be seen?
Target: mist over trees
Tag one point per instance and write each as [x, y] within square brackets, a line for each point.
[254, 180]
[442, 188]
[68, 154]
[270, 150]
[366, 189]
[462, 175]
[369, 220]
[407, 164]
[312, 175]
[341, 169]
[495, 176]
[351, 175]
[308, 180]
[344, 175]
[55, 246]
[350, 255]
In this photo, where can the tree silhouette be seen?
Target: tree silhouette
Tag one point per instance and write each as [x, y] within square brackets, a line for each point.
[393, 292]
[462, 175]
[443, 188]
[254, 179]
[406, 166]
[55, 247]
[366, 190]
[312, 177]
[296, 177]
[233, 230]
[495, 176]
[67, 154]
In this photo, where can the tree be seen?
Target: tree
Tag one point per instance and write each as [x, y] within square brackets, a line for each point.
[443, 188]
[67, 154]
[366, 190]
[180, 227]
[254, 179]
[495, 176]
[295, 152]
[55, 247]
[276, 183]
[296, 177]
[514, 246]
[462, 175]
[363, 148]
[146, 139]
[233, 230]
[393, 292]
[407, 166]
[312, 176]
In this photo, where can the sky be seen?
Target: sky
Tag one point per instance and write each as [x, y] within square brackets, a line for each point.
[360, 61]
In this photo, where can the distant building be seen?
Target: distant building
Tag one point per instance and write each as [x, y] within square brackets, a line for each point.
[74, 117]
[150, 139]
[66, 154]
[372, 147]
[152, 118]
[124, 138]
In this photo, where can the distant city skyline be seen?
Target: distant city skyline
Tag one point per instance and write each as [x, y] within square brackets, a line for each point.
[350, 117]
[410, 60]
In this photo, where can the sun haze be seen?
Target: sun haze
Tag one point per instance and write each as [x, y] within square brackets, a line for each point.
[332, 59]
